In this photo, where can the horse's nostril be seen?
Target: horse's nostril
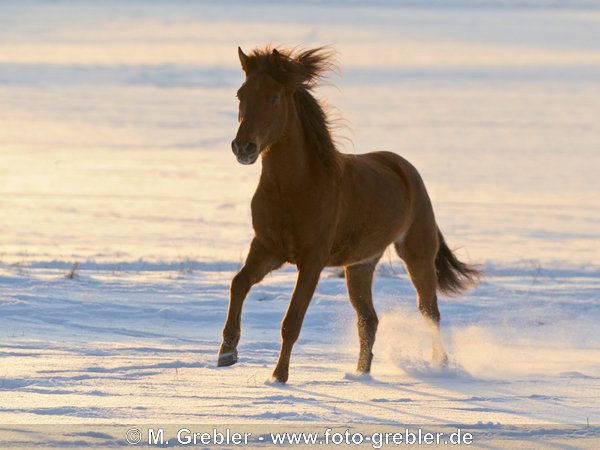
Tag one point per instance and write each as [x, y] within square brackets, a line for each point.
[250, 148]
[234, 146]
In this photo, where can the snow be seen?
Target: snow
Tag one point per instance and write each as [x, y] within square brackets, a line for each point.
[115, 167]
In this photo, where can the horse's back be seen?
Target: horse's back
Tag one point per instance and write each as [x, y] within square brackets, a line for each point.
[385, 160]
[371, 175]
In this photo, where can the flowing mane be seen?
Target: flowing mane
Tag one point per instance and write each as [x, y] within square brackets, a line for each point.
[302, 70]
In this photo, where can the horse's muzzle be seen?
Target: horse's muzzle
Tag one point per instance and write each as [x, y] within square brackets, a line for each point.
[246, 152]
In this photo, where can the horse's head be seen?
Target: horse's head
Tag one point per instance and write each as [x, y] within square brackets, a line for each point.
[263, 107]
[267, 95]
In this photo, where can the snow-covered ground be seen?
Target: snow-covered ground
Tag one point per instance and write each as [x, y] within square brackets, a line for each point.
[115, 123]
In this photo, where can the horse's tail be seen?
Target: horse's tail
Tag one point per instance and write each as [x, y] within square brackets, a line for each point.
[453, 276]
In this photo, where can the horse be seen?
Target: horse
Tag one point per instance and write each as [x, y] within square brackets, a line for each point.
[316, 207]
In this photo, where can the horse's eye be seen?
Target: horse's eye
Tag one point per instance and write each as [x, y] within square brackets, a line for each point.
[273, 99]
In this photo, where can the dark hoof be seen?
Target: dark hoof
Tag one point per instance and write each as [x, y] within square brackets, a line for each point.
[279, 377]
[363, 369]
[227, 359]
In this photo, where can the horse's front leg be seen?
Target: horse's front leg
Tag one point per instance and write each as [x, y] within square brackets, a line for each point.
[308, 278]
[259, 262]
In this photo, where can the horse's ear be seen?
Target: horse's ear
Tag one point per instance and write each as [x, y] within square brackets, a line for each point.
[243, 60]
[275, 58]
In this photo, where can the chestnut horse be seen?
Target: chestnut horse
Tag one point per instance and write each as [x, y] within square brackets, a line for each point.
[316, 207]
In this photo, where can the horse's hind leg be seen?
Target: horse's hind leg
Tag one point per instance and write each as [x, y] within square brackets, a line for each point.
[419, 257]
[259, 262]
[359, 278]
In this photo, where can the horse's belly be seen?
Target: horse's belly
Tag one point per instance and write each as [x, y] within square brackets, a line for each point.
[366, 242]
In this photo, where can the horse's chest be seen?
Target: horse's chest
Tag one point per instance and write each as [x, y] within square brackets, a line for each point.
[275, 223]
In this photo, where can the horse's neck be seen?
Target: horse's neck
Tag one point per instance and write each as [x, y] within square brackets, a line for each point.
[288, 163]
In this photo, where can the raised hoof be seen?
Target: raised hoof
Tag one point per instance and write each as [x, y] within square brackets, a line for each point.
[227, 359]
